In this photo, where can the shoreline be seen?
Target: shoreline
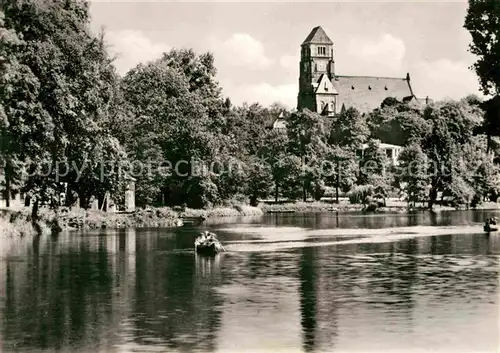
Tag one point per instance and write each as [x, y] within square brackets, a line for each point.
[345, 207]
[16, 222]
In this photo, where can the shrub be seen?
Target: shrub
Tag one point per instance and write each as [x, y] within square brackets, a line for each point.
[236, 200]
[166, 212]
[371, 207]
[360, 194]
[19, 224]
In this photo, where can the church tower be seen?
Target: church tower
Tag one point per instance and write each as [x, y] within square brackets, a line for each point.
[317, 72]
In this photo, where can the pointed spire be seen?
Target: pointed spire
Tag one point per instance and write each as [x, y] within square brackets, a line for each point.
[317, 36]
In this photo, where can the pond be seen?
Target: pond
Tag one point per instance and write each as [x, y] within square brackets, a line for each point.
[290, 282]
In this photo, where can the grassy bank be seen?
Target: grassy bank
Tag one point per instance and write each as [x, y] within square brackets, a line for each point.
[163, 217]
[18, 223]
[230, 211]
[318, 206]
[311, 207]
[304, 207]
[392, 206]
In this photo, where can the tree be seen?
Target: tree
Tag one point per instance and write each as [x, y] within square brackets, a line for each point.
[349, 129]
[341, 173]
[13, 72]
[179, 121]
[247, 125]
[491, 125]
[348, 132]
[412, 173]
[482, 22]
[486, 181]
[274, 152]
[259, 182]
[460, 190]
[292, 183]
[453, 124]
[198, 69]
[58, 97]
[397, 123]
[479, 170]
[308, 141]
[373, 165]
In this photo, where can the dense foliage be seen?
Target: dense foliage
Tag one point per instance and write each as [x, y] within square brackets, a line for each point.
[483, 23]
[58, 89]
[167, 124]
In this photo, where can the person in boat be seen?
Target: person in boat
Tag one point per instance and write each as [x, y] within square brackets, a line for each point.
[491, 224]
[207, 237]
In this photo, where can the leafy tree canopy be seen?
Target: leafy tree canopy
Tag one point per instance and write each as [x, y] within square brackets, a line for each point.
[483, 23]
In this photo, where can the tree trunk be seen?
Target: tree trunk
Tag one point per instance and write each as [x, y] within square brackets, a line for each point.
[304, 192]
[83, 200]
[432, 197]
[338, 183]
[317, 191]
[7, 186]
[70, 198]
[34, 211]
[276, 190]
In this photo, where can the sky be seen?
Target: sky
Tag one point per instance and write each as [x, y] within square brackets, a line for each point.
[257, 44]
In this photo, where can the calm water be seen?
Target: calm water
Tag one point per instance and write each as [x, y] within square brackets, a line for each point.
[291, 283]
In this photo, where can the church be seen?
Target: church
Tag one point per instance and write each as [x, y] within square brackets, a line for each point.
[323, 91]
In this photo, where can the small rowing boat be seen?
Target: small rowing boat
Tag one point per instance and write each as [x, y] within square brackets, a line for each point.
[208, 244]
[491, 225]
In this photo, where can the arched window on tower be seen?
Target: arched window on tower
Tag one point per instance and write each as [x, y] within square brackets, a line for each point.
[322, 51]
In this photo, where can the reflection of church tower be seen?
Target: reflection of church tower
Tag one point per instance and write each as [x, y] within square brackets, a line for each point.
[308, 299]
[317, 69]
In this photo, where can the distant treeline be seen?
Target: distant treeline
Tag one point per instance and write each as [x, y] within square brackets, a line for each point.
[70, 124]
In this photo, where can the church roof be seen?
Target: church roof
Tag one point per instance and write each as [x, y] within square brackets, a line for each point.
[366, 93]
[273, 121]
[317, 36]
[325, 86]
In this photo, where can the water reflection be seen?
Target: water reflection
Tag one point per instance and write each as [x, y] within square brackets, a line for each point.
[52, 301]
[308, 298]
[356, 220]
[174, 305]
[146, 290]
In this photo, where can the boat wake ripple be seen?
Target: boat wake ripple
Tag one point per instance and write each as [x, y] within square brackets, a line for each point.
[275, 239]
